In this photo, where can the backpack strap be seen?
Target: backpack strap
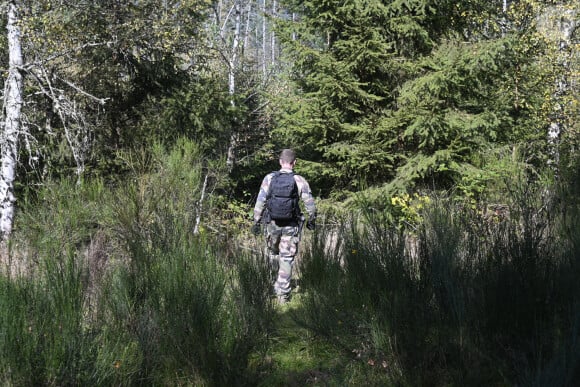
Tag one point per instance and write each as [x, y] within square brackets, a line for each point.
[274, 174]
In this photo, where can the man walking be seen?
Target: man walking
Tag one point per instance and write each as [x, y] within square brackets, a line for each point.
[278, 208]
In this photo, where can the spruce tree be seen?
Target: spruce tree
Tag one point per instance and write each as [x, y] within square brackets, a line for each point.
[395, 94]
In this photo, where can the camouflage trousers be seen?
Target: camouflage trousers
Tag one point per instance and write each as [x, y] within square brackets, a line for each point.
[282, 245]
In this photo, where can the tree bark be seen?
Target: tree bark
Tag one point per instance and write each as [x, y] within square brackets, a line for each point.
[273, 36]
[558, 24]
[200, 207]
[233, 66]
[12, 123]
[264, 39]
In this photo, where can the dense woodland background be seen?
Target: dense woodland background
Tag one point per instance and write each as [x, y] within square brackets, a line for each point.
[376, 96]
[440, 138]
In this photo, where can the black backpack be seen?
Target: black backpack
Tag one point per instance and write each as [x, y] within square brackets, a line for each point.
[283, 201]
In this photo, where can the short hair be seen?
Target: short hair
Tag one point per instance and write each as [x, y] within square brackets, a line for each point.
[287, 156]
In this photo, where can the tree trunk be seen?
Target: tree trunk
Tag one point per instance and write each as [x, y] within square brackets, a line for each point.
[558, 24]
[233, 61]
[233, 65]
[273, 36]
[12, 123]
[264, 39]
[245, 45]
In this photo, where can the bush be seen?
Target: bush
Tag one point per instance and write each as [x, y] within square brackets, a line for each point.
[469, 298]
[123, 291]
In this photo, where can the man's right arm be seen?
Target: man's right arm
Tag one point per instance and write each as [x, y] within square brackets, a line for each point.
[262, 197]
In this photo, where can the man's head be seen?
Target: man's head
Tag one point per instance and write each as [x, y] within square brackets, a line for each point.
[287, 158]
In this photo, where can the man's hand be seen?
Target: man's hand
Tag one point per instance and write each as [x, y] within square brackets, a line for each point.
[311, 224]
[256, 229]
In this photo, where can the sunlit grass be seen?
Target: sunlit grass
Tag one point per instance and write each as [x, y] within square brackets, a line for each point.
[296, 356]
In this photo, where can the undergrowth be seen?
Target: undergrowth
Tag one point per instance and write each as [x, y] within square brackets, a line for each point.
[112, 286]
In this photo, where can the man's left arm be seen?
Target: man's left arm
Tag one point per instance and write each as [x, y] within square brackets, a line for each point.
[308, 200]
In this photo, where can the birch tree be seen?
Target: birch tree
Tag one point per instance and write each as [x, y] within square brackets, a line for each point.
[247, 46]
[232, 68]
[558, 25]
[264, 41]
[15, 128]
[12, 122]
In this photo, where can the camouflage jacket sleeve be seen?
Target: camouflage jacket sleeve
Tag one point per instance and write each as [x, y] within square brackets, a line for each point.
[306, 196]
[262, 196]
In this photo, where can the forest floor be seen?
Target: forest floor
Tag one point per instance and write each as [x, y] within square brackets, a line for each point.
[297, 357]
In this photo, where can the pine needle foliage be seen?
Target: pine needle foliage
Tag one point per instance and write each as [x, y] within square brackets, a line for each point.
[401, 94]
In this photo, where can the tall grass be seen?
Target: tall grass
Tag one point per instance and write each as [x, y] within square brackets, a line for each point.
[118, 290]
[45, 339]
[471, 298]
[110, 286]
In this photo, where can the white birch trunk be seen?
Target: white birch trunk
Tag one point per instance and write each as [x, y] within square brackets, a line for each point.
[264, 51]
[200, 207]
[273, 36]
[233, 64]
[12, 123]
[558, 24]
[245, 45]
[294, 37]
